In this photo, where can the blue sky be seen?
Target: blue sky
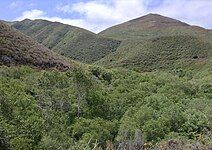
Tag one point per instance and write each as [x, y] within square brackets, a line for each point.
[96, 15]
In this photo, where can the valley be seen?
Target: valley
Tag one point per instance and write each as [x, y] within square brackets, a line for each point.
[142, 84]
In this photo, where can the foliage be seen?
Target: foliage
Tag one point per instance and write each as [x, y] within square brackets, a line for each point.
[164, 53]
[19, 49]
[38, 109]
[165, 103]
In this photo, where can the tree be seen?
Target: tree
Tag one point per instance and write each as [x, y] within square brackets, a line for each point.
[97, 104]
[83, 85]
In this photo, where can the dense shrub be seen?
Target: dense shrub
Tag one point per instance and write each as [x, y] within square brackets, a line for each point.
[39, 109]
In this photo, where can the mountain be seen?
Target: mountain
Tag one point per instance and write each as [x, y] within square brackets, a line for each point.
[10, 23]
[73, 42]
[147, 43]
[19, 49]
[153, 25]
[156, 42]
[90, 107]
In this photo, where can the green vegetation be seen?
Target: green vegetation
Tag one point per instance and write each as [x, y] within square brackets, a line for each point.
[171, 53]
[39, 109]
[153, 26]
[18, 49]
[73, 42]
[157, 93]
[155, 42]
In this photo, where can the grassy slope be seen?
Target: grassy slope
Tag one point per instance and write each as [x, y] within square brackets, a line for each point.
[70, 41]
[151, 26]
[156, 42]
[159, 53]
[19, 49]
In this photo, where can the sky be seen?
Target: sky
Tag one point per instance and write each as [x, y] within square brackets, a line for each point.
[97, 15]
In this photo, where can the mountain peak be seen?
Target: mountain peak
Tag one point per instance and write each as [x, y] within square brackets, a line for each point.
[156, 20]
[153, 14]
[27, 20]
[151, 25]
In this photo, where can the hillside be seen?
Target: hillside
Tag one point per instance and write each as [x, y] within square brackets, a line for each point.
[169, 52]
[155, 42]
[73, 42]
[10, 23]
[154, 25]
[157, 94]
[19, 49]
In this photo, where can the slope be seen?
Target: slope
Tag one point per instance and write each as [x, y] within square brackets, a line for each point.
[73, 42]
[10, 23]
[121, 108]
[156, 42]
[154, 25]
[160, 53]
[19, 49]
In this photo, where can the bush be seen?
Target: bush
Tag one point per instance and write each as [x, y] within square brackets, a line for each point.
[107, 77]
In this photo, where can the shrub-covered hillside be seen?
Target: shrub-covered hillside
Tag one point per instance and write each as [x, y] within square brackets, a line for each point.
[94, 108]
[154, 25]
[73, 42]
[155, 42]
[157, 93]
[19, 49]
[169, 52]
